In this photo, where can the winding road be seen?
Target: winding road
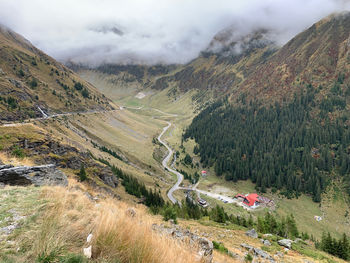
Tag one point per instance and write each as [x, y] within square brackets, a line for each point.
[165, 162]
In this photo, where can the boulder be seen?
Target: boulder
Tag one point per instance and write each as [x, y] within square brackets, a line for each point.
[88, 252]
[36, 175]
[261, 253]
[246, 246]
[266, 242]
[252, 233]
[206, 247]
[285, 243]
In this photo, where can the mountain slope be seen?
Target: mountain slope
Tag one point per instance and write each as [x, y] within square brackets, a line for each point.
[317, 56]
[30, 79]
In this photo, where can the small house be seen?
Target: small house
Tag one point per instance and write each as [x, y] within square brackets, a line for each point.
[251, 200]
[204, 173]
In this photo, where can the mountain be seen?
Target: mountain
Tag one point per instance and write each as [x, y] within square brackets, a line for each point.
[317, 56]
[30, 79]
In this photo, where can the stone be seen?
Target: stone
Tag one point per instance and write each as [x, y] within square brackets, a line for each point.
[285, 243]
[298, 240]
[131, 212]
[36, 175]
[89, 238]
[267, 242]
[286, 249]
[246, 246]
[87, 252]
[252, 233]
[2, 185]
[261, 253]
[206, 246]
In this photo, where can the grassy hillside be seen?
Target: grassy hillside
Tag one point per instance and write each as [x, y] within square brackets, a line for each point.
[30, 79]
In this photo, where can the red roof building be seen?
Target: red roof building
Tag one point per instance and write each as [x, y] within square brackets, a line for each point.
[204, 172]
[250, 200]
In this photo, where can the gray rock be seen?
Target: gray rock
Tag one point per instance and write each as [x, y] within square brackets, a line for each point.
[298, 240]
[267, 242]
[252, 233]
[261, 253]
[206, 246]
[246, 246]
[285, 243]
[279, 254]
[36, 175]
[2, 72]
[232, 254]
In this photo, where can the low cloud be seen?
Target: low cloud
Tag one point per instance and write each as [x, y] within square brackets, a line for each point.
[152, 31]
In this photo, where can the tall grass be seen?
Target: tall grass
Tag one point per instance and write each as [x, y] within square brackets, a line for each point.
[117, 237]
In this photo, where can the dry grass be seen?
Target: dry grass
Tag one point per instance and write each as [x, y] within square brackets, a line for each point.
[5, 158]
[117, 236]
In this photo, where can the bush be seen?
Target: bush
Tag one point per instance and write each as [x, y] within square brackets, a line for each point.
[170, 213]
[85, 93]
[12, 103]
[33, 83]
[219, 246]
[78, 86]
[82, 173]
[18, 152]
[248, 258]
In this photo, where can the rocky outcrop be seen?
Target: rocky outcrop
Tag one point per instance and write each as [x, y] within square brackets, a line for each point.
[204, 245]
[252, 233]
[36, 175]
[285, 243]
[257, 252]
[106, 175]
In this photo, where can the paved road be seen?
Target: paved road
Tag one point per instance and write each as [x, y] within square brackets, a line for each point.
[45, 117]
[165, 162]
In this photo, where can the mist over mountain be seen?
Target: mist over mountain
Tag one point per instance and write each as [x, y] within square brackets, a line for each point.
[153, 32]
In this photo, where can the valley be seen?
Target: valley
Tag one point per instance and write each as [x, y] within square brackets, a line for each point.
[241, 154]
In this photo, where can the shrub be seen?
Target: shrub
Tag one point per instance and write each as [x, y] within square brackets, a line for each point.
[82, 173]
[170, 213]
[33, 83]
[18, 152]
[78, 86]
[85, 93]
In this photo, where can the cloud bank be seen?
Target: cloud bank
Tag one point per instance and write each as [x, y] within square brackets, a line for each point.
[152, 31]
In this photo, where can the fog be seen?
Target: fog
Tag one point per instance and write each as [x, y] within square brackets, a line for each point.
[149, 31]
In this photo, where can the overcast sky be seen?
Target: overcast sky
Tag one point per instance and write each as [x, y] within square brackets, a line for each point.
[152, 31]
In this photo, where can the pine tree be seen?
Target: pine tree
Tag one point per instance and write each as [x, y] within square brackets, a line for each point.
[82, 173]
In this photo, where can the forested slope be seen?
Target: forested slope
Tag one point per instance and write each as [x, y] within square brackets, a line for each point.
[296, 147]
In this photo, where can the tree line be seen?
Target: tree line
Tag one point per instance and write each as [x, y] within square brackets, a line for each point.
[339, 248]
[286, 146]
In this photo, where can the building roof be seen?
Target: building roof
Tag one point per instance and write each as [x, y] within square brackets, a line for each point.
[251, 199]
[204, 172]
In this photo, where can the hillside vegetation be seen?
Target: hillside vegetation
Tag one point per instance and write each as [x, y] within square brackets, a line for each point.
[30, 79]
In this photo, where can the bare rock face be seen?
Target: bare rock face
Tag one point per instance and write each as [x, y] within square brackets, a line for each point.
[36, 175]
